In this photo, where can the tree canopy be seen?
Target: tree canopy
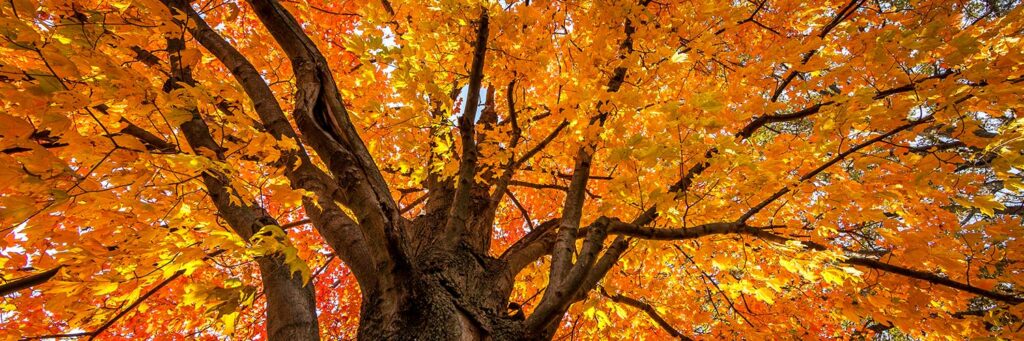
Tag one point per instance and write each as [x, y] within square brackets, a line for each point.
[615, 169]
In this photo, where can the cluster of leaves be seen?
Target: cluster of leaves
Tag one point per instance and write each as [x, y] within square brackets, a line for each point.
[891, 130]
[99, 185]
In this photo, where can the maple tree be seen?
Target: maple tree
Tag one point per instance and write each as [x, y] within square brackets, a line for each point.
[397, 169]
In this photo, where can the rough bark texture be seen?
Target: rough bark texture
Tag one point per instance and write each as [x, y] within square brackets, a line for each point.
[450, 300]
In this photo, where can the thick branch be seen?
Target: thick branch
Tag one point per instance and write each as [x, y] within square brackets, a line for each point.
[320, 111]
[572, 212]
[326, 126]
[459, 215]
[244, 72]
[566, 277]
[283, 27]
[932, 278]
[559, 295]
[28, 281]
[344, 237]
[291, 306]
[530, 247]
[321, 116]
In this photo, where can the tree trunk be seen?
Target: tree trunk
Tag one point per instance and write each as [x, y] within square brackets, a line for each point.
[457, 296]
[429, 278]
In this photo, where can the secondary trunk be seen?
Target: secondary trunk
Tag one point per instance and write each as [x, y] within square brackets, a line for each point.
[291, 305]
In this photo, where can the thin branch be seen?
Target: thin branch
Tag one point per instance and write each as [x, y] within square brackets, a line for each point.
[538, 186]
[905, 271]
[708, 279]
[522, 210]
[295, 224]
[843, 14]
[757, 208]
[648, 309]
[502, 184]
[93, 334]
[458, 218]
[621, 228]
[414, 203]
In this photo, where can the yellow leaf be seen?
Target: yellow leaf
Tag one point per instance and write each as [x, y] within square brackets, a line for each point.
[13, 127]
[679, 57]
[764, 295]
[121, 5]
[104, 288]
[833, 275]
[708, 102]
[229, 322]
[602, 319]
[988, 204]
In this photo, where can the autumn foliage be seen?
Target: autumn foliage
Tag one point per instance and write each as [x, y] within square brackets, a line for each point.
[623, 169]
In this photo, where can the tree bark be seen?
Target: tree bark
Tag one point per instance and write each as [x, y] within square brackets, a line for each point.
[455, 301]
